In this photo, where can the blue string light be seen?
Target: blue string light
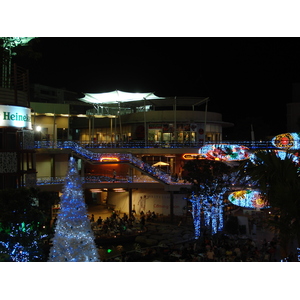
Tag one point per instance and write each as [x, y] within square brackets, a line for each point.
[19, 252]
[74, 238]
[209, 203]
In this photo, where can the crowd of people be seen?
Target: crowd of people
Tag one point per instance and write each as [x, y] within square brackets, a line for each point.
[117, 225]
[220, 248]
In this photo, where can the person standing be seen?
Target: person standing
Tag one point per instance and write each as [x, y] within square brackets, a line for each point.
[114, 175]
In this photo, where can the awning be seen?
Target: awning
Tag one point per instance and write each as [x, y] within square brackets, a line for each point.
[117, 97]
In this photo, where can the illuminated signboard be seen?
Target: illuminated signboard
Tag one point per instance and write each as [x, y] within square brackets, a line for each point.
[109, 159]
[15, 116]
[224, 152]
[287, 141]
[189, 156]
[247, 198]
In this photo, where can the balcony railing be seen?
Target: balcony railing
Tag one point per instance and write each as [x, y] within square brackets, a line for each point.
[82, 149]
[141, 144]
[104, 157]
[97, 179]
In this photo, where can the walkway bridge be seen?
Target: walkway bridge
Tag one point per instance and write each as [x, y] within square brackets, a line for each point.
[79, 150]
[87, 152]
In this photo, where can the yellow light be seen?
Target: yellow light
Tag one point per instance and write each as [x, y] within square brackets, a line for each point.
[119, 190]
[109, 159]
[190, 156]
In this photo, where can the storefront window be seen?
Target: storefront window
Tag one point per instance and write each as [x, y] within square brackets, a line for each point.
[185, 133]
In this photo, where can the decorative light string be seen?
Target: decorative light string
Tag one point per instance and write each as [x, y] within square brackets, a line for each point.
[209, 203]
[19, 252]
[74, 238]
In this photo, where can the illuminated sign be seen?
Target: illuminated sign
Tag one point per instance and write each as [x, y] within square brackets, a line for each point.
[189, 156]
[224, 152]
[109, 159]
[15, 116]
[247, 198]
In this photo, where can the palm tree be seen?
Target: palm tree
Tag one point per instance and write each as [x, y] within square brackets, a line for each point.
[279, 182]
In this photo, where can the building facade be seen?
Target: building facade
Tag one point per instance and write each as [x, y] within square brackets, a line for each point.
[17, 154]
[155, 133]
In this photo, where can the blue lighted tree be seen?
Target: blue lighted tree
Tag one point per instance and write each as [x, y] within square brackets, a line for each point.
[210, 207]
[73, 238]
[211, 180]
[196, 202]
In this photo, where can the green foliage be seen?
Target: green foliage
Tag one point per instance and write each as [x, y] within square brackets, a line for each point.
[278, 179]
[207, 172]
[17, 206]
[22, 221]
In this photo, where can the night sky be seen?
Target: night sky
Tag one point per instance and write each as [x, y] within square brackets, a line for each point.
[248, 80]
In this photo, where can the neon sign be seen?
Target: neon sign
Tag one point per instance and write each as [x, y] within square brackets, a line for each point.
[247, 198]
[224, 152]
[190, 156]
[109, 159]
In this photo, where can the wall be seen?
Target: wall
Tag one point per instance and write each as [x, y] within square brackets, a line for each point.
[50, 108]
[169, 115]
[153, 200]
[7, 96]
[61, 164]
[44, 165]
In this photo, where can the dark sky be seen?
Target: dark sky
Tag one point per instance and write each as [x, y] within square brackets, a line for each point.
[249, 80]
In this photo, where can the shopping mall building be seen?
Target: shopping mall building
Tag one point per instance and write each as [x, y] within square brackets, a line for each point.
[130, 147]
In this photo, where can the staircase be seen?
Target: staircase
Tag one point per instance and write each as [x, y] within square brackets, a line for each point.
[102, 158]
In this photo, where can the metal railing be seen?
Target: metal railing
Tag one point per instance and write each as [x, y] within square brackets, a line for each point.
[119, 157]
[46, 180]
[82, 149]
[141, 144]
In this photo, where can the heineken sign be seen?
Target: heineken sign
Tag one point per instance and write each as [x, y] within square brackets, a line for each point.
[15, 116]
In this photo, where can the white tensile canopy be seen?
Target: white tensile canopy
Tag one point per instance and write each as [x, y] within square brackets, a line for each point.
[116, 97]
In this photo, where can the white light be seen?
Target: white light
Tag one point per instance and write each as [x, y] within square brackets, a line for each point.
[117, 96]
[38, 128]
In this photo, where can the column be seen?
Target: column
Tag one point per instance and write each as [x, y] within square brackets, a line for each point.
[172, 206]
[130, 202]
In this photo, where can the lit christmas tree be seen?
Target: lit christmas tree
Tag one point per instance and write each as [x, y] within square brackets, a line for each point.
[73, 239]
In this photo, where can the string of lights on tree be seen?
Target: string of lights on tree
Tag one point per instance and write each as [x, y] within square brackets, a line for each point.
[73, 239]
[208, 209]
[27, 247]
